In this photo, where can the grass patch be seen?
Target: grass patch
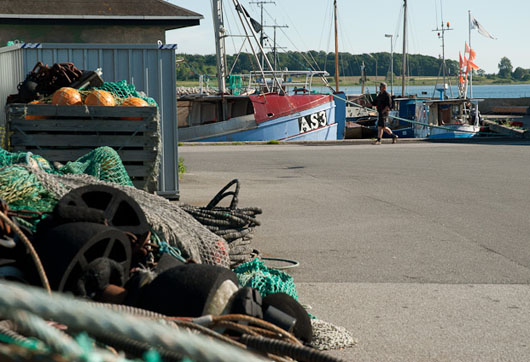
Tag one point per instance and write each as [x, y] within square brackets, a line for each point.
[273, 142]
[182, 167]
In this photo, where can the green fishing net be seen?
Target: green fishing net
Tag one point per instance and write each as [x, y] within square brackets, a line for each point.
[104, 163]
[122, 90]
[20, 189]
[256, 275]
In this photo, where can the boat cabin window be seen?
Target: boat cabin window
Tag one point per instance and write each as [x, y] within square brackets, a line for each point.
[449, 114]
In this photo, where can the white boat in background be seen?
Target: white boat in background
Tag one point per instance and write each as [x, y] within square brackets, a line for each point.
[443, 118]
[447, 118]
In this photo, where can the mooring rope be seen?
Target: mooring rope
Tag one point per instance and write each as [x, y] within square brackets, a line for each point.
[31, 250]
[36, 326]
[411, 121]
[298, 352]
[82, 316]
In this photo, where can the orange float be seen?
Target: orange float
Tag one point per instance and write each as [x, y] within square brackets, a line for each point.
[134, 102]
[35, 117]
[100, 97]
[67, 96]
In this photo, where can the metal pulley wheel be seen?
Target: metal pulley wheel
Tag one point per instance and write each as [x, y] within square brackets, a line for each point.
[67, 250]
[121, 211]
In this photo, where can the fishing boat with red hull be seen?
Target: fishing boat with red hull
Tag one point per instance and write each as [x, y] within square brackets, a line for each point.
[266, 105]
[263, 117]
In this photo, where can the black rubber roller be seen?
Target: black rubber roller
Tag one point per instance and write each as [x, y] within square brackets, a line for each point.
[120, 210]
[185, 290]
[67, 250]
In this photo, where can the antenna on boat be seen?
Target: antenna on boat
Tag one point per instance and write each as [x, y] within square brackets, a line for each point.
[262, 36]
[275, 47]
[441, 34]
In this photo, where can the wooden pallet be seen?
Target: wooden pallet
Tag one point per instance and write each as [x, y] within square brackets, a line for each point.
[65, 133]
[510, 109]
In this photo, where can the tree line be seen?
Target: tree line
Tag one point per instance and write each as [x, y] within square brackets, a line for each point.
[506, 71]
[190, 67]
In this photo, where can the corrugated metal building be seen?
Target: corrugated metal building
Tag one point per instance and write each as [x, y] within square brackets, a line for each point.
[150, 68]
[121, 37]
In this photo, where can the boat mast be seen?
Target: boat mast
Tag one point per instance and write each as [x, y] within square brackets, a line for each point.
[471, 72]
[336, 50]
[219, 30]
[441, 34]
[404, 69]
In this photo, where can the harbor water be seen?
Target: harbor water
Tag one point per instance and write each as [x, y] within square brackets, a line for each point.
[479, 91]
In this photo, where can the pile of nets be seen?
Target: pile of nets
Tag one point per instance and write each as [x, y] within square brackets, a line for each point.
[29, 182]
[25, 185]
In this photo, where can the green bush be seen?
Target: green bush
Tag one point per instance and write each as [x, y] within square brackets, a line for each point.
[182, 166]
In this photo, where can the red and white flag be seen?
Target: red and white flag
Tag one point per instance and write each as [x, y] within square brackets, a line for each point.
[476, 25]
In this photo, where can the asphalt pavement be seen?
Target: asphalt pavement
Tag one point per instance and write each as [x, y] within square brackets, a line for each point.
[421, 250]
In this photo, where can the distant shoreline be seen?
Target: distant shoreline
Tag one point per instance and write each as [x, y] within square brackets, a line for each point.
[371, 80]
[418, 81]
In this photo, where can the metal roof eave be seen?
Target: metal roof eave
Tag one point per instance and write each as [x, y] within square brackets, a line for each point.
[98, 17]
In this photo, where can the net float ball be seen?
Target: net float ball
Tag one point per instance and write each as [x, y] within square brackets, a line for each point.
[35, 117]
[67, 96]
[134, 102]
[100, 97]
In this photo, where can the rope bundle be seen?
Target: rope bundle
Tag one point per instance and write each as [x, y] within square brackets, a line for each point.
[234, 225]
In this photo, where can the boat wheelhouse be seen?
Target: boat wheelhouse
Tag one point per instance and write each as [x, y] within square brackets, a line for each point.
[446, 119]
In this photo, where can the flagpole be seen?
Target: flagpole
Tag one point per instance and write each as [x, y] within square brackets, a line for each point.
[471, 74]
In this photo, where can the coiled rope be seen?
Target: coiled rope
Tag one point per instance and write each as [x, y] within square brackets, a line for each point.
[235, 225]
[100, 322]
[298, 352]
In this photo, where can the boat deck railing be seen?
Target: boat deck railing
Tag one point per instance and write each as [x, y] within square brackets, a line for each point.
[284, 80]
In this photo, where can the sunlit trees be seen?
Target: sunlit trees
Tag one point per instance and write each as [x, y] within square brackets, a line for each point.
[505, 68]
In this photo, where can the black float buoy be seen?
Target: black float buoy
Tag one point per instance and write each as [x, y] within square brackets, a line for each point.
[187, 290]
[66, 251]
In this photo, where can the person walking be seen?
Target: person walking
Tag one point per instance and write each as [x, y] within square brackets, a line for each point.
[383, 103]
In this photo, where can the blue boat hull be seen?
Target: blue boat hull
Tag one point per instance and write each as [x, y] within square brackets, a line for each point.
[307, 125]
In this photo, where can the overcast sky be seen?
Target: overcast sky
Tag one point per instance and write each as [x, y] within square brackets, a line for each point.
[362, 27]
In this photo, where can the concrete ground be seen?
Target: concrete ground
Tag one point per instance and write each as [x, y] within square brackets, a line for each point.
[421, 250]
